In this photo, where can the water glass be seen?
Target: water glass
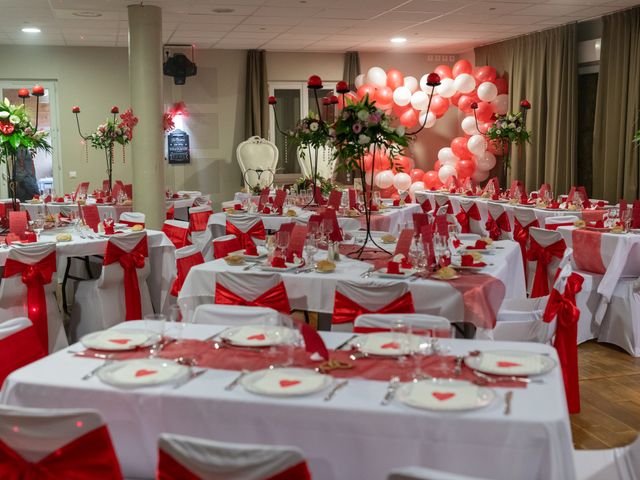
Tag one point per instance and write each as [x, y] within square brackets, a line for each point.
[401, 334]
[177, 322]
[38, 226]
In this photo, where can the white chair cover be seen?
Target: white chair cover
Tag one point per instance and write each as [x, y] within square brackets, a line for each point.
[609, 464]
[440, 199]
[100, 303]
[248, 285]
[561, 220]
[133, 217]
[496, 210]
[418, 321]
[422, 473]
[243, 223]
[13, 294]
[326, 161]
[212, 460]
[621, 321]
[257, 154]
[13, 326]
[524, 215]
[231, 314]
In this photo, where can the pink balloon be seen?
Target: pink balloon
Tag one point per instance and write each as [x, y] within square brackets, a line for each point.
[459, 147]
[384, 95]
[502, 84]
[439, 105]
[409, 118]
[402, 163]
[416, 174]
[367, 89]
[484, 111]
[466, 168]
[485, 74]
[455, 99]
[395, 79]
[444, 71]
[461, 66]
[431, 179]
[480, 176]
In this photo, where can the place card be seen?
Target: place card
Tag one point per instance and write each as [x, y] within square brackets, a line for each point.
[404, 242]
[335, 197]
[281, 196]
[91, 216]
[18, 222]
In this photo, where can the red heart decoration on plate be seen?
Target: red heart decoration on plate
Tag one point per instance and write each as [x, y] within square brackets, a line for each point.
[393, 345]
[508, 364]
[120, 341]
[442, 396]
[288, 383]
[143, 373]
[259, 336]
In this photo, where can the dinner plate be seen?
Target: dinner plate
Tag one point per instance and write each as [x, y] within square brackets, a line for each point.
[445, 395]
[405, 273]
[257, 335]
[118, 340]
[143, 372]
[510, 362]
[286, 382]
[387, 344]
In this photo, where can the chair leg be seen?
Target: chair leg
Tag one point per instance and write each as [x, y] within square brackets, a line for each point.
[65, 307]
[87, 265]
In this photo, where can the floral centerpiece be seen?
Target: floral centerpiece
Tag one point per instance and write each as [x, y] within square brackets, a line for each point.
[116, 130]
[18, 133]
[305, 183]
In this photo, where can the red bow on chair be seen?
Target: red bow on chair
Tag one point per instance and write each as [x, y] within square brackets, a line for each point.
[275, 297]
[257, 230]
[130, 263]
[543, 256]
[521, 235]
[346, 310]
[89, 457]
[35, 277]
[426, 206]
[564, 308]
[492, 228]
[464, 218]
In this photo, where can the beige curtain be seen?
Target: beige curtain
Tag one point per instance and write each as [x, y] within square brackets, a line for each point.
[543, 68]
[616, 171]
[351, 68]
[256, 95]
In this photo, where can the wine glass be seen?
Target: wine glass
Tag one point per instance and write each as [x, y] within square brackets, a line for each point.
[310, 248]
[441, 249]
[38, 226]
[271, 247]
[401, 335]
[177, 323]
[626, 219]
[154, 324]
[454, 240]
[344, 202]
[271, 325]
[282, 241]
[376, 198]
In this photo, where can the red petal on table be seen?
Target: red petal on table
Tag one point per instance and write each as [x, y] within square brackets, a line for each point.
[120, 341]
[288, 383]
[259, 336]
[393, 345]
[442, 396]
[508, 364]
[144, 373]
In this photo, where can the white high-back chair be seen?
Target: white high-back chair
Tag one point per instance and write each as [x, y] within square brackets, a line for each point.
[212, 460]
[211, 314]
[621, 463]
[326, 161]
[257, 154]
[132, 218]
[101, 303]
[177, 231]
[441, 200]
[14, 297]
[432, 325]
[423, 473]
[247, 226]
[186, 258]
[497, 210]
[44, 437]
[545, 239]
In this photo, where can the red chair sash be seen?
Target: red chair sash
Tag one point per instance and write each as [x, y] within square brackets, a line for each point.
[275, 297]
[464, 218]
[492, 228]
[183, 265]
[503, 222]
[521, 235]
[35, 277]
[543, 256]
[426, 206]
[346, 310]
[89, 457]
[257, 231]
[18, 350]
[198, 221]
[178, 236]
[564, 308]
[448, 205]
[130, 263]
[170, 213]
[223, 248]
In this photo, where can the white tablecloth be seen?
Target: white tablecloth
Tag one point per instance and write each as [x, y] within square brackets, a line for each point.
[105, 211]
[352, 437]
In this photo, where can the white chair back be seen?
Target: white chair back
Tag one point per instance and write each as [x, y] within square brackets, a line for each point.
[249, 285]
[476, 226]
[561, 220]
[423, 473]
[524, 215]
[440, 199]
[430, 324]
[133, 217]
[13, 326]
[257, 154]
[326, 161]
[211, 314]
[113, 275]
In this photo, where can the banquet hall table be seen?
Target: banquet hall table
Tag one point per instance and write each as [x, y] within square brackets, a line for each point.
[105, 211]
[350, 437]
[315, 292]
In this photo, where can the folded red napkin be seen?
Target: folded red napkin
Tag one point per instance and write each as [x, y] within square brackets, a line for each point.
[266, 210]
[278, 262]
[237, 206]
[495, 196]
[534, 195]
[433, 189]
[467, 261]
[554, 204]
[108, 225]
[452, 190]
[406, 264]
[36, 197]
[47, 198]
[396, 202]
[60, 199]
[251, 250]
[175, 195]
[28, 237]
[597, 224]
[374, 208]
[270, 199]
[99, 200]
[479, 245]
[393, 267]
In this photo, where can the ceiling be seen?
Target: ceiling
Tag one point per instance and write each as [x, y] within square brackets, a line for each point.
[438, 26]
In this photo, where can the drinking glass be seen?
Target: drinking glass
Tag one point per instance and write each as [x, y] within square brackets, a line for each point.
[271, 247]
[154, 324]
[401, 334]
[177, 322]
[344, 201]
[376, 198]
[271, 324]
[454, 232]
[282, 241]
[310, 248]
[38, 226]
[441, 249]
[626, 219]
[327, 224]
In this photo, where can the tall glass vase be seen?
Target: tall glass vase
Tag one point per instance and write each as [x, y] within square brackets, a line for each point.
[109, 159]
[506, 164]
[12, 183]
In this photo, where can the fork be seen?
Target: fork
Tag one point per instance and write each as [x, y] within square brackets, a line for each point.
[394, 383]
[336, 387]
[236, 380]
[97, 369]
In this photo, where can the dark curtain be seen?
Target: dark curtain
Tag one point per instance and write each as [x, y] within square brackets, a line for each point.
[257, 94]
[351, 68]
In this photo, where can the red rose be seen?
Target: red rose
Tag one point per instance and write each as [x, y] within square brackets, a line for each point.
[6, 128]
[525, 104]
[334, 100]
[23, 93]
[314, 82]
[272, 100]
[433, 79]
[75, 109]
[326, 101]
[37, 91]
[115, 109]
[342, 87]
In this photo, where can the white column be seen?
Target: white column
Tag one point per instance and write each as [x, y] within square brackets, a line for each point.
[145, 83]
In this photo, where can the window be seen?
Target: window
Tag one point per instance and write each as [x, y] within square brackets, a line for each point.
[295, 101]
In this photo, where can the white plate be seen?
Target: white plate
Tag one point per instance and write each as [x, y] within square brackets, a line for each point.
[511, 362]
[404, 273]
[287, 268]
[445, 394]
[142, 372]
[387, 344]
[256, 335]
[286, 382]
[114, 340]
[262, 252]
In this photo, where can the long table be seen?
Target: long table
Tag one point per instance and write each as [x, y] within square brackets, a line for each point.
[350, 437]
[105, 211]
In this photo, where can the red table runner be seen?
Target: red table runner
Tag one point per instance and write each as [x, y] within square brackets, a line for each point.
[587, 252]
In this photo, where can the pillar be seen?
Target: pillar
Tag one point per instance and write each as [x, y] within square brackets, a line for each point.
[145, 85]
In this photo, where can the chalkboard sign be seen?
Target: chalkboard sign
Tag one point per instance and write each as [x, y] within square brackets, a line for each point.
[178, 142]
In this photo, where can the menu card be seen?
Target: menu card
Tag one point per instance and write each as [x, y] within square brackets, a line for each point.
[264, 198]
[404, 242]
[296, 241]
[91, 216]
[18, 222]
[335, 197]
[281, 196]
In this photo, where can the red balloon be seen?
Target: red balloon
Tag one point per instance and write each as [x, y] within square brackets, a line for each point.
[431, 179]
[437, 165]
[388, 192]
[484, 111]
[460, 67]
[368, 162]
[502, 84]
[384, 96]
[367, 89]
[409, 118]
[466, 168]
[444, 71]
[464, 103]
[402, 164]
[416, 175]
[485, 74]
[439, 105]
[398, 110]
[395, 79]
[459, 147]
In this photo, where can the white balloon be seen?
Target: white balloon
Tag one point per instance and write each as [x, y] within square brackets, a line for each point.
[377, 76]
[423, 83]
[464, 83]
[402, 181]
[486, 161]
[411, 83]
[359, 81]
[384, 179]
[480, 175]
[445, 172]
[487, 92]
[447, 157]
[419, 100]
[501, 104]
[469, 125]
[416, 187]
[402, 96]
[477, 144]
[431, 120]
[446, 89]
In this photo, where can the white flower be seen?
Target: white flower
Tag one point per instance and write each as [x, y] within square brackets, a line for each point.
[363, 139]
[14, 119]
[504, 125]
[519, 129]
[7, 102]
[4, 114]
[498, 132]
[363, 115]
[512, 125]
[313, 126]
[400, 130]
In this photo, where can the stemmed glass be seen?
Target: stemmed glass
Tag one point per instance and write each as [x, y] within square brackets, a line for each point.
[454, 240]
[327, 225]
[441, 250]
[401, 334]
[310, 249]
[282, 241]
[344, 202]
[38, 226]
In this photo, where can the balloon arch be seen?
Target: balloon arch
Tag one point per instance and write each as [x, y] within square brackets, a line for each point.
[462, 86]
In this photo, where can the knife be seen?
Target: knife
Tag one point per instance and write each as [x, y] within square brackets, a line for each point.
[191, 376]
[333, 391]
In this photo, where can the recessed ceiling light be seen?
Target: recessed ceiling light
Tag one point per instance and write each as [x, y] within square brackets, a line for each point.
[223, 10]
[87, 14]
[31, 30]
[398, 40]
